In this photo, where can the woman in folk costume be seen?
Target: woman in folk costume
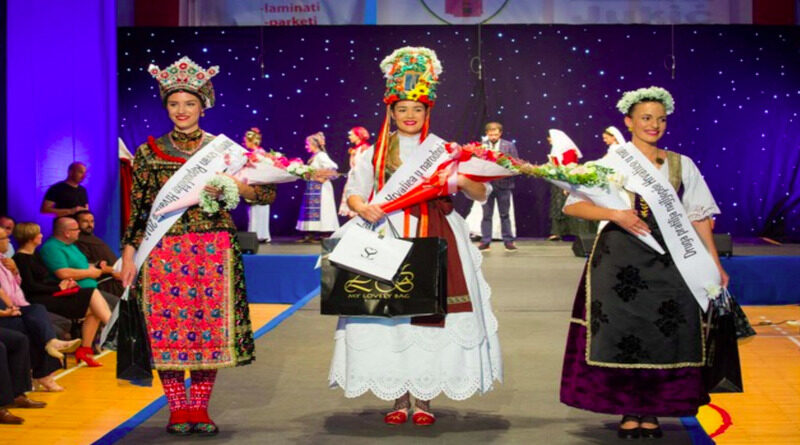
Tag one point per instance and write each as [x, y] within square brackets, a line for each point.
[635, 344]
[563, 151]
[612, 136]
[318, 209]
[359, 137]
[457, 354]
[258, 221]
[191, 287]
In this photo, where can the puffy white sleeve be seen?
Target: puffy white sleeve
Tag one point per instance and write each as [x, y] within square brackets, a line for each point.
[361, 177]
[322, 160]
[697, 198]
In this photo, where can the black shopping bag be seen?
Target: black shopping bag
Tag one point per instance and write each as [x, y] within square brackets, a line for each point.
[134, 360]
[723, 372]
[419, 288]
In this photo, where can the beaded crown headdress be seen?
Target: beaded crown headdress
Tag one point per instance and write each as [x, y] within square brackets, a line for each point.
[185, 75]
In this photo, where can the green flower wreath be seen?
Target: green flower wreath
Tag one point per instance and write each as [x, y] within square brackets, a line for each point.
[657, 94]
[229, 196]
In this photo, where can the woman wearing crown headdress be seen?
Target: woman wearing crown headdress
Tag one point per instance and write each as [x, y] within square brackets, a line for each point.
[635, 346]
[191, 287]
[457, 354]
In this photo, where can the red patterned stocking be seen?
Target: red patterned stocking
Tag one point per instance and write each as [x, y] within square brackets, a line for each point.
[202, 385]
[174, 389]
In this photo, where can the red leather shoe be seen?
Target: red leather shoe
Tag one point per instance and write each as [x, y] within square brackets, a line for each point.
[397, 417]
[423, 418]
[179, 424]
[84, 353]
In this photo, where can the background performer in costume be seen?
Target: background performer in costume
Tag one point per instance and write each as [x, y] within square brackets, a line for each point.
[258, 221]
[191, 287]
[318, 209]
[359, 137]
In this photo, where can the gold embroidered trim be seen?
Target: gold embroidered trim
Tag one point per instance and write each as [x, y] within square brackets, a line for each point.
[588, 322]
[458, 299]
[577, 321]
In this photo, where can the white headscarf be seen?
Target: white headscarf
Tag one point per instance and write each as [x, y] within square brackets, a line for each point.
[613, 131]
[560, 143]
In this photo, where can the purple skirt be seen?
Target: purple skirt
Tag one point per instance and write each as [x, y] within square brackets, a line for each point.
[674, 392]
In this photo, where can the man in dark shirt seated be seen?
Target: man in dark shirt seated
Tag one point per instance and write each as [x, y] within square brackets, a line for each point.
[97, 251]
[69, 196]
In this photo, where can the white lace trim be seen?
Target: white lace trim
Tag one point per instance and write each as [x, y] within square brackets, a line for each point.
[390, 357]
[699, 213]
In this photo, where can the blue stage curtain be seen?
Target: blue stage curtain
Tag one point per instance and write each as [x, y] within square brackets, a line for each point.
[62, 105]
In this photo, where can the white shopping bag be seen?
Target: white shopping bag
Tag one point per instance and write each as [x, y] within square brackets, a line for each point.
[365, 252]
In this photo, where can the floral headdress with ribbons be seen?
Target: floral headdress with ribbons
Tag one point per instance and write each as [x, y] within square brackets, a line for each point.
[412, 73]
[652, 94]
[185, 75]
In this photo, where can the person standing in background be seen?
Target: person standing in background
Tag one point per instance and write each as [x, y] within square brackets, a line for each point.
[258, 221]
[359, 137]
[501, 192]
[67, 197]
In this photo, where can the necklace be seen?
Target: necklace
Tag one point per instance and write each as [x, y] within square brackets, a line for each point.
[186, 142]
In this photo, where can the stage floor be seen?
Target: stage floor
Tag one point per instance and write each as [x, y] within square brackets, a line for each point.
[284, 398]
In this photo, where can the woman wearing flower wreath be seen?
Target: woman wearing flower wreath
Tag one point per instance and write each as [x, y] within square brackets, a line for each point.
[396, 358]
[191, 287]
[318, 209]
[635, 346]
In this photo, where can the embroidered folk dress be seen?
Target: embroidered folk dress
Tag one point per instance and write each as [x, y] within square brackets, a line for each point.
[392, 356]
[318, 209]
[191, 287]
[635, 342]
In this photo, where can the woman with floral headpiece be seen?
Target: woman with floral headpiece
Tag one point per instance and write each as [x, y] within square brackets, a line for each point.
[191, 286]
[457, 354]
[318, 209]
[635, 345]
[359, 137]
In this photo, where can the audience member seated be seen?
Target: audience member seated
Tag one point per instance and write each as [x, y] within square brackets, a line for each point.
[97, 251]
[15, 376]
[62, 297]
[18, 314]
[65, 261]
[69, 196]
[7, 223]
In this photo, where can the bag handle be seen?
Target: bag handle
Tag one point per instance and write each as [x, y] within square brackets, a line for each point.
[373, 226]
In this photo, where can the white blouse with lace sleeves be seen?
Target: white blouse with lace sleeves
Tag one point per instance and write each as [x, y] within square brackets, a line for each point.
[697, 198]
[361, 177]
[322, 160]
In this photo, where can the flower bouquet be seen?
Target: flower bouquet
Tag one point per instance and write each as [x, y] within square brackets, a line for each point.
[252, 167]
[593, 182]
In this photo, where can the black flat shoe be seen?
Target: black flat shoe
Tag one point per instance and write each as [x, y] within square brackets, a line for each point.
[632, 433]
[628, 433]
[651, 433]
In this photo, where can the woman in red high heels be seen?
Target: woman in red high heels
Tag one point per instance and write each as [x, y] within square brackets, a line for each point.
[63, 297]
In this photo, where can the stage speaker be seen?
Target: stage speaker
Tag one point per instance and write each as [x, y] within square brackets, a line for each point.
[248, 241]
[582, 246]
[724, 244]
